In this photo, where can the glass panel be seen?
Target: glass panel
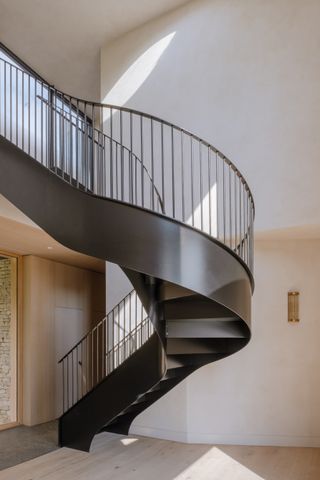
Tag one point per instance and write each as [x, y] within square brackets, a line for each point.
[8, 340]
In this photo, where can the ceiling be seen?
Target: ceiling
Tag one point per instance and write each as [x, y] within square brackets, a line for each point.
[61, 39]
[24, 239]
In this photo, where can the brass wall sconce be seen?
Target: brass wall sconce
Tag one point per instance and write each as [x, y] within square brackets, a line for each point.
[293, 307]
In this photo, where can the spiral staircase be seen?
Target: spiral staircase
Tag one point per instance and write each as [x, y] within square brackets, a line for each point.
[170, 209]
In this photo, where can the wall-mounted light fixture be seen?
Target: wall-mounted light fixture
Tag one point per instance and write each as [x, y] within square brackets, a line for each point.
[293, 307]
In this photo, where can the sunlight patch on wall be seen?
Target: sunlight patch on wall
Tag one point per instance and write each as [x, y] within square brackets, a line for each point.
[137, 73]
[206, 213]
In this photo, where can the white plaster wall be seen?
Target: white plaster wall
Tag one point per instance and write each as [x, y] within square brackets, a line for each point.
[269, 392]
[244, 76]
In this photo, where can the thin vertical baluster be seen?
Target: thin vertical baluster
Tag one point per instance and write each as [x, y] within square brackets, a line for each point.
[63, 387]
[72, 378]
[68, 384]
[140, 326]
[5, 100]
[17, 112]
[141, 158]
[162, 168]
[62, 143]
[217, 195]
[136, 179]
[104, 166]
[235, 212]
[245, 224]
[103, 352]
[22, 108]
[77, 144]
[209, 187]
[172, 175]
[224, 201]
[191, 179]
[201, 185]
[35, 120]
[111, 153]
[122, 158]
[86, 173]
[117, 174]
[118, 339]
[182, 178]
[247, 229]
[81, 369]
[77, 373]
[29, 115]
[41, 135]
[130, 316]
[71, 142]
[230, 204]
[241, 215]
[10, 104]
[136, 310]
[93, 155]
[118, 324]
[152, 165]
[1, 63]
[130, 162]
[97, 353]
[92, 361]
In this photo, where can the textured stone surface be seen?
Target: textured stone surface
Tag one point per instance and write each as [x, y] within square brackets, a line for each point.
[5, 340]
[24, 443]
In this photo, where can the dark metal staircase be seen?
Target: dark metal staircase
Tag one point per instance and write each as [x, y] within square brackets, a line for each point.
[171, 210]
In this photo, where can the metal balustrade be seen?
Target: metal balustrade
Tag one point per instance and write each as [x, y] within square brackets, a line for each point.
[125, 329]
[128, 156]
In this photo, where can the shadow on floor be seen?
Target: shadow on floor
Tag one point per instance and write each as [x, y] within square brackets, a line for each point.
[22, 443]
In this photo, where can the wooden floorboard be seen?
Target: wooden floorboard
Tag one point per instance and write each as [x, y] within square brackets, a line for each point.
[114, 457]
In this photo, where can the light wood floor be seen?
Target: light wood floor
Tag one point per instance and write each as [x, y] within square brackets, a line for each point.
[121, 458]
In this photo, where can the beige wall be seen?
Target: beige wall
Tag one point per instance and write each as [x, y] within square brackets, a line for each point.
[245, 76]
[60, 304]
[269, 393]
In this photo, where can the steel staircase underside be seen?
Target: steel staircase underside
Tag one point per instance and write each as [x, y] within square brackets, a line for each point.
[210, 321]
[167, 207]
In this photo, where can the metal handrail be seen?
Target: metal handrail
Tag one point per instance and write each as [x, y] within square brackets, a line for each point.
[101, 145]
[104, 348]
[93, 329]
[183, 174]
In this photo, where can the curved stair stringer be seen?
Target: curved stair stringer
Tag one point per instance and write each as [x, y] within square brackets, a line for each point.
[152, 250]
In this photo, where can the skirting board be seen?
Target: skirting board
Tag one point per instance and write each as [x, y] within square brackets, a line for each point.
[223, 439]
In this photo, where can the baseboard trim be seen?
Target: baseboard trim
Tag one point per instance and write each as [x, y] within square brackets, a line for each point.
[230, 439]
[160, 433]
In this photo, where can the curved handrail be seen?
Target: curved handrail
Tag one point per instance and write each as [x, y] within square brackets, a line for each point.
[100, 323]
[100, 144]
[190, 179]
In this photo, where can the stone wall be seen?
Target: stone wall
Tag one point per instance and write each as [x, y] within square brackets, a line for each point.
[5, 340]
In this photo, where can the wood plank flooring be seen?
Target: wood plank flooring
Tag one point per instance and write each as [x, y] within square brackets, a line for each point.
[115, 457]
